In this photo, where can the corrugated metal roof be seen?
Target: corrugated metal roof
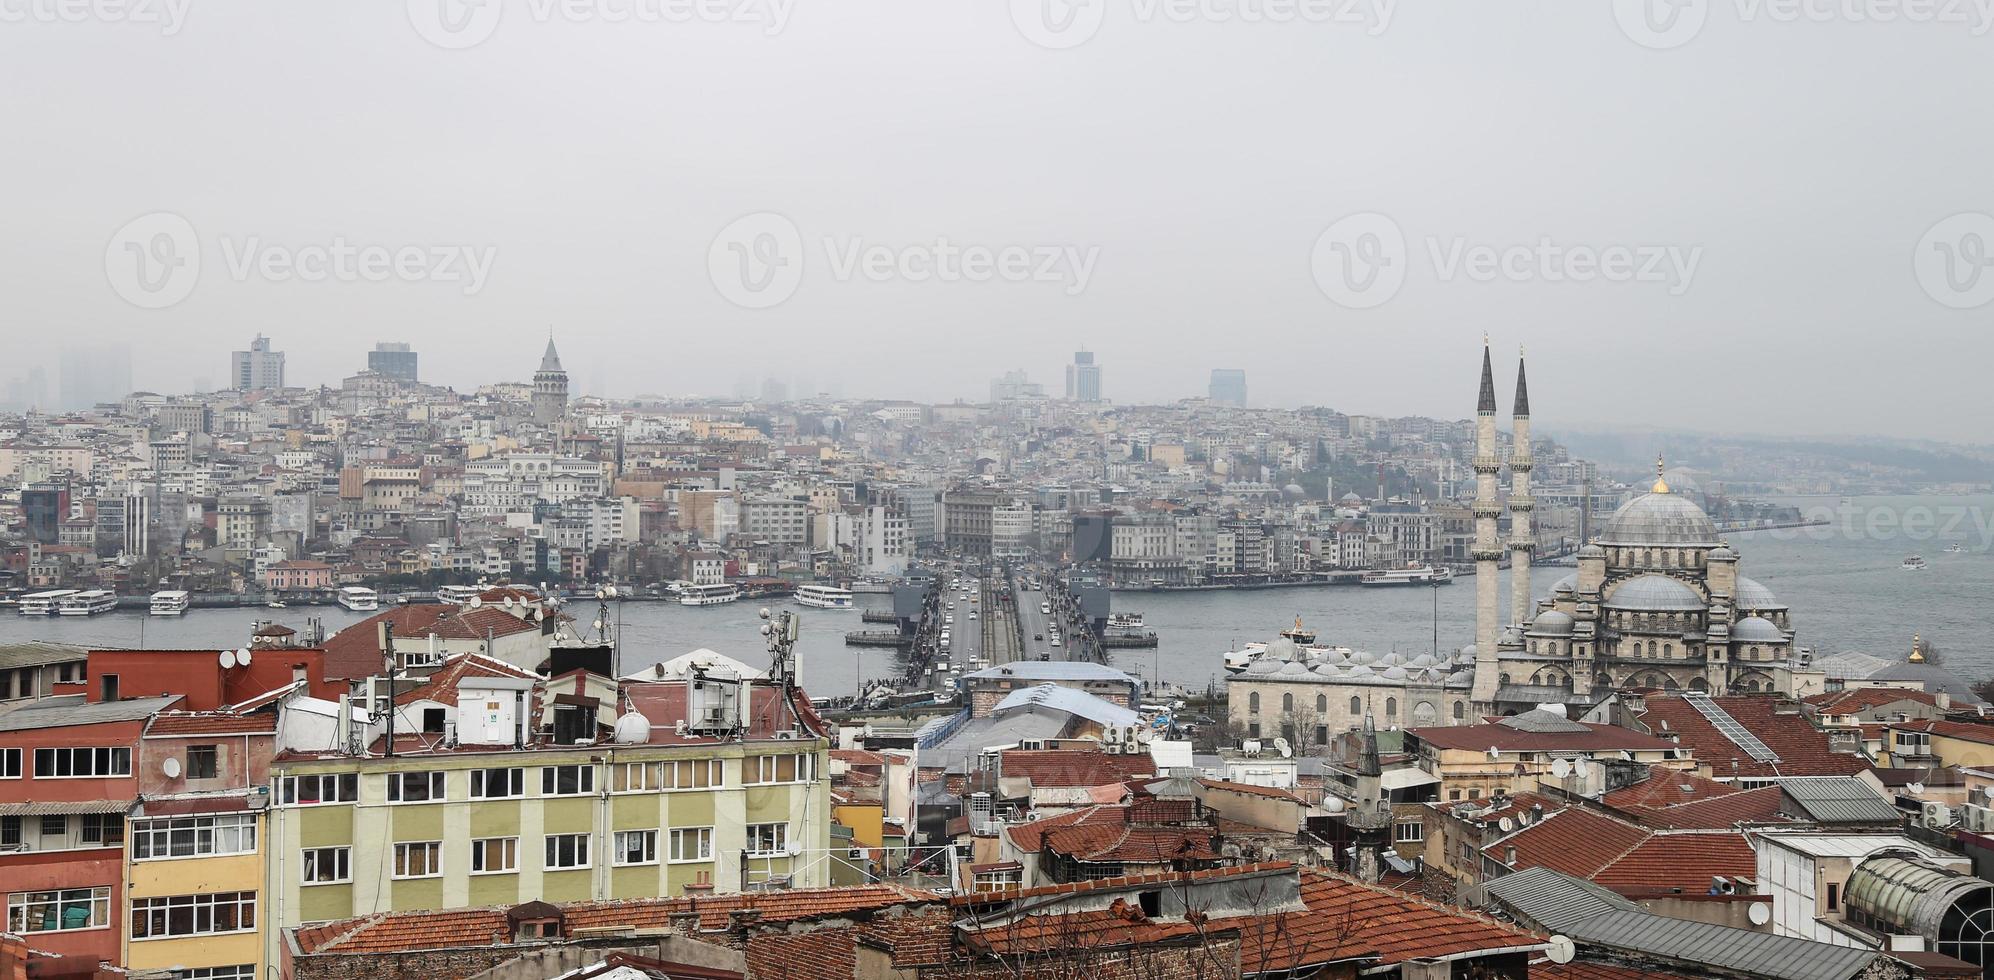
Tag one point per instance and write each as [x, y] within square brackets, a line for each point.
[1070, 701]
[63, 809]
[35, 652]
[1840, 799]
[1555, 900]
[72, 709]
[1740, 950]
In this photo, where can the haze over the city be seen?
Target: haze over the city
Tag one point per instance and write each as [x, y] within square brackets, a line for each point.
[1170, 181]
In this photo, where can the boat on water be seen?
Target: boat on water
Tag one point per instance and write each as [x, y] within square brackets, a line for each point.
[94, 602]
[1301, 635]
[824, 597]
[458, 595]
[1125, 621]
[359, 598]
[708, 595]
[1955, 549]
[1914, 563]
[1420, 575]
[168, 602]
[44, 603]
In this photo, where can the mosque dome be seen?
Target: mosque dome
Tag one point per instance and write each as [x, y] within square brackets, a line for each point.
[1264, 666]
[1552, 621]
[1661, 518]
[1655, 593]
[1749, 594]
[1757, 630]
[1396, 673]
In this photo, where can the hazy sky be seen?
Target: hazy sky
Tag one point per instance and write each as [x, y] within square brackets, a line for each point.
[1773, 177]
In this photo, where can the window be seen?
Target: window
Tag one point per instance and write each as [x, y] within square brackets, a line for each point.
[1322, 704]
[104, 828]
[567, 780]
[82, 763]
[1253, 730]
[567, 851]
[10, 763]
[415, 787]
[1460, 710]
[419, 859]
[1409, 832]
[174, 837]
[1288, 703]
[59, 911]
[692, 844]
[327, 865]
[1834, 895]
[632, 777]
[10, 830]
[1253, 701]
[636, 847]
[779, 769]
[497, 784]
[1322, 734]
[193, 915]
[246, 971]
[696, 774]
[494, 855]
[315, 789]
[55, 826]
[201, 762]
[1356, 706]
[768, 839]
[1391, 707]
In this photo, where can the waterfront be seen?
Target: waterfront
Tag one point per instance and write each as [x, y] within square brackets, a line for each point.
[1841, 580]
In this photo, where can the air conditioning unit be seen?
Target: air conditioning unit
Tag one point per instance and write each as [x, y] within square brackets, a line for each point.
[1976, 818]
[1937, 815]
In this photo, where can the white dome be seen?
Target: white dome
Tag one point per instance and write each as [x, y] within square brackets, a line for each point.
[1661, 518]
[1654, 593]
[1395, 673]
[1553, 622]
[1292, 669]
[1362, 671]
[1751, 595]
[1264, 666]
[1755, 629]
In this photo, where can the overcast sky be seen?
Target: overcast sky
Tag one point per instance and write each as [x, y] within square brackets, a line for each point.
[1771, 193]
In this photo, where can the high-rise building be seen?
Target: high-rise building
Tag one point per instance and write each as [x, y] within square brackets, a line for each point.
[393, 361]
[94, 376]
[45, 506]
[1083, 378]
[1228, 387]
[550, 388]
[138, 524]
[1013, 386]
[257, 369]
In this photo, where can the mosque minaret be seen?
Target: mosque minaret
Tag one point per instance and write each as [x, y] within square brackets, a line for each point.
[1487, 552]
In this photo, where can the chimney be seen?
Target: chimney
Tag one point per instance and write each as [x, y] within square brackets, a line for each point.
[740, 922]
[1509, 855]
[297, 673]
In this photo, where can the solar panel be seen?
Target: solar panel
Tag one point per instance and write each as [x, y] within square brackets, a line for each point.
[1729, 727]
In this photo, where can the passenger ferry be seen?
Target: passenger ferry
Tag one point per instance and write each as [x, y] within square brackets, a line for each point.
[90, 603]
[824, 597]
[1911, 562]
[1125, 621]
[1422, 575]
[44, 603]
[708, 595]
[171, 602]
[458, 595]
[359, 599]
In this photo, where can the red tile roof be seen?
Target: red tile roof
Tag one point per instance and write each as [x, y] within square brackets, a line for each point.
[441, 686]
[1030, 837]
[1581, 970]
[1665, 787]
[1966, 731]
[1757, 806]
[1501, 736]
[356, 650]
[1865, 698]
[1132, 845]
[1397, 926]
[1074, 767]
[1627, 858]
[1802, 748]
[212, 723]
[1247, 789]
[1667, 863]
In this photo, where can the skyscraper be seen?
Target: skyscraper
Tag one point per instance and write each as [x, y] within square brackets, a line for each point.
[257, 369]
[1083, 378]
[1228, 387]
[394, 361]
[550, 387]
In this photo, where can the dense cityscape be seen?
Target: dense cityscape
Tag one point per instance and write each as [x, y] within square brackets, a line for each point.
[1645, 772]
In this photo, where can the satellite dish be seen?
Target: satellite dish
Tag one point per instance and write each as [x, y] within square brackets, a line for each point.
[477, 601]
[1562, 768]
[1495, 753]
[1562, 949]
[171, 767]
[508, 602]
[1987, 791]
[1506, 824]
[1759, 912]
[228, 660]
[1332, 804]
[1915, 789]
[242, 657]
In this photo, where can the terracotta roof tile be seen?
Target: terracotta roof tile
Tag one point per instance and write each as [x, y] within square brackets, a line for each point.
[1802, 748]
[1665, 787]
[1074, 767]
[1758, 806]
[1680, 862]
[212, 723]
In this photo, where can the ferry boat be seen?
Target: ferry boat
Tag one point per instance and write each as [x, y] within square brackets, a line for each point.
[708, 595]
[170, 602]
[359, 599]
[1911, 563]
[1302, 635]
[824, 597]
[1955, 549]
[44, 603]
[458, 595]
[90, 603]
[1422, 575]
[1125, 621]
